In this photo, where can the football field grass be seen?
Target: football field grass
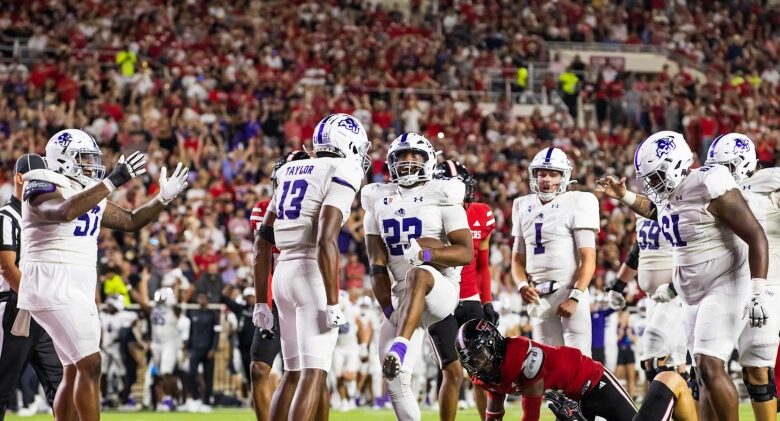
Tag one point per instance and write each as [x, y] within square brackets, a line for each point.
[513, 414]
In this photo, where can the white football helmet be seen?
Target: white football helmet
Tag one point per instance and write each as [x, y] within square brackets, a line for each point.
[550, 159]
[165, 296]
[736, 152]
[407, 173]
[343, 135]
[76, 155]
[661, 162]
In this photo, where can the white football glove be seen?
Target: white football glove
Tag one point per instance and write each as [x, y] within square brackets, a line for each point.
[412, 253]
[172, 186]
[262, 317]
[756, 308]
[664, 293]
[616, 300]
[334, 317]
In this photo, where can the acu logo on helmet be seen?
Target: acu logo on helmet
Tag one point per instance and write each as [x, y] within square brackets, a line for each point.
[350, 124]
[741, 145]
[663, 146]
[64, 140]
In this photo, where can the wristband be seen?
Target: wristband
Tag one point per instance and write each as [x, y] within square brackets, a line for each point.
[759, 285]
[628, 198]
[427, 255]
[109, 185]
[522, 285]
[576, 294]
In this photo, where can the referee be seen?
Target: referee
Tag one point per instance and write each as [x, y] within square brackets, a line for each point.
[36, 349]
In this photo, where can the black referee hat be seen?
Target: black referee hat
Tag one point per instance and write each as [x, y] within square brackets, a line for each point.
[29, 162]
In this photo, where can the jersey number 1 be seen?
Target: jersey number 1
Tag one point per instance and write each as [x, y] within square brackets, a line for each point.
[293, 209]
[90, 225]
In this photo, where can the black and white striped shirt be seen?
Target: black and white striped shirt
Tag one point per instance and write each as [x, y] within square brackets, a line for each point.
[10, 232]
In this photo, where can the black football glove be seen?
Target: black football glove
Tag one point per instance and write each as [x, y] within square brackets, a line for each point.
[565, 409]
[491, 315]
[127, 169]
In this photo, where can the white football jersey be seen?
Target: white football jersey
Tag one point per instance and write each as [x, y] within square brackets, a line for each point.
[113, 323]
[303, 188]
[762, 193]
[73, 242]
[548, 232]
[694, 234]
[348, 332]
[398, 214]
[654, 251]
[164, 324]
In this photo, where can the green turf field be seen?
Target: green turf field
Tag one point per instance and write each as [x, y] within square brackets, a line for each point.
[513, 414]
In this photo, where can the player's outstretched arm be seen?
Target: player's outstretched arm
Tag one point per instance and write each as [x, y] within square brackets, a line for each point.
[328, 251]
[380, 277]
[617, 189]
[263, 256]
[116, 217]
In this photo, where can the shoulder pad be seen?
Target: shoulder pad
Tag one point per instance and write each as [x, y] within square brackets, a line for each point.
[347, 173]
[448, 192]
[47, 175]
[532, 365]
[766, 180]
[370, 194]
[35, 187]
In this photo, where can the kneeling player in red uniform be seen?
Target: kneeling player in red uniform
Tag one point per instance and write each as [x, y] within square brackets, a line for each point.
[520, 366]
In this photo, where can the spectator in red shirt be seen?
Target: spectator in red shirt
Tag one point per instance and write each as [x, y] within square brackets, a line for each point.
[354, 273]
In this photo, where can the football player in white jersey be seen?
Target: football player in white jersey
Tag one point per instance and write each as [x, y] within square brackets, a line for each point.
[757, 346]
[311, 202]
[413, 205]
[705, 219]
[554, 254]
[346, 356]
[650, 260]
[63, 209]
[166, 322]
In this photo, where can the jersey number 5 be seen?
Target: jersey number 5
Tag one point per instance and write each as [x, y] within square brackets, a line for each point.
[293, 209]
[393, 228]
[91, 222]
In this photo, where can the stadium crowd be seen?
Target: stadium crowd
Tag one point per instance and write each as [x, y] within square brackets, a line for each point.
[227, 87]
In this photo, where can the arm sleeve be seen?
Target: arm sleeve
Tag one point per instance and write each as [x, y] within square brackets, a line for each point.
[340, 196]
[586, 215]
[454, 218]
[632, 260]
[585, 238]
[519, 245]
[7, 242]
[370, 226]
[483, 276]
[532, 406]
[516, 229]
[717, 181]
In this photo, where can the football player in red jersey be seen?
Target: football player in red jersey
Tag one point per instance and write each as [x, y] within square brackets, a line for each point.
[520, 366]
[476, 301]
[265, 345]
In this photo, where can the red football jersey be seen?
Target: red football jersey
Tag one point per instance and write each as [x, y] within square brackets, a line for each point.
[481, 223]
[561, 368]
[256, 218]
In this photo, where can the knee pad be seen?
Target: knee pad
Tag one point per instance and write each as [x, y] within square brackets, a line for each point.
[760, 392]
[651, 368]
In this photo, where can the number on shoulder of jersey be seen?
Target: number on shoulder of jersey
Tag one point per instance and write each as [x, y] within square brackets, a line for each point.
[661, 163]
[409, 172]
[344, 136]
[76, 155]
[453, 169]
[550, 159]
[291, 156]
[736, 152]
